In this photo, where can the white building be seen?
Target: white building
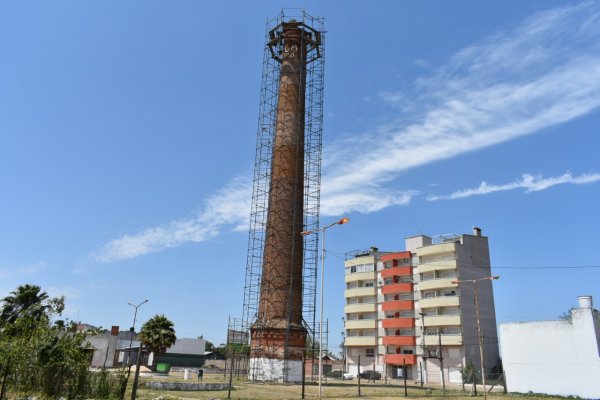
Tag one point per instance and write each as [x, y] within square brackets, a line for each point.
[554, 357]
[400, 306]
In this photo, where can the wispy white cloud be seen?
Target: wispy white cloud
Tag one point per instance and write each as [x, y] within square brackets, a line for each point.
[24, 271]
[69, 292]
[531, 183]
[230, 206]
[364, 201]
[543, 72]
[420, 63]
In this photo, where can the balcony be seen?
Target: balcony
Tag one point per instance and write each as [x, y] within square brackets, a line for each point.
[359, 276]
[359, 308]
[360, 324]
[397, 305]
[389, 323]
[397, 255]
[400, 359]
[447, 340]
[437, 266]
[433, 284]
[442, 320]
[436, 249]
[442, 301]
[360, 292]
[400, 340]
[359, 341]
[396, 271]
[397, 288]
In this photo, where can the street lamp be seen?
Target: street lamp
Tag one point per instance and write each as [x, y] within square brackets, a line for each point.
[474, 282]
[306, 233]
[131, 337]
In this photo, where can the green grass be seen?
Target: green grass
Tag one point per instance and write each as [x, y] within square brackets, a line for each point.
[333, 390]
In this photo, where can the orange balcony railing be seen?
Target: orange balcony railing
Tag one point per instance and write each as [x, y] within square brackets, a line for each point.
[400, 340]
[397, 255]
[398, 323]
[396, 271]
[395, 305]
[397, 288]
[399, 359]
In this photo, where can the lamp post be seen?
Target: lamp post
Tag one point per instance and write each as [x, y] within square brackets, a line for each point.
[476, 300]
[305, 233]
[131, 338]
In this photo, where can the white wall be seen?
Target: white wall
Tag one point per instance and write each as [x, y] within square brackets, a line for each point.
[553, 357]
[104, 346]
[272, 370]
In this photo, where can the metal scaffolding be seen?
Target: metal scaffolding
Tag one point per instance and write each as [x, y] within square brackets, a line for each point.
[309, 189]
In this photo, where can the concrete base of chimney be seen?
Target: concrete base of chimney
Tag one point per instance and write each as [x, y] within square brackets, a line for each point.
[275, 370]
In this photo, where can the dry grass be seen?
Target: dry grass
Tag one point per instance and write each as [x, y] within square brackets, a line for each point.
[333, 390]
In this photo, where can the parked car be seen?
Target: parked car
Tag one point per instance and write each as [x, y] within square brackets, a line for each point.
[370, 375]
[339, 374]
[336, 373]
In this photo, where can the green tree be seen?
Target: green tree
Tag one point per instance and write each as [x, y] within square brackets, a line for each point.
[158, 334]
[28, 302]
[209, 346]
[568, 315]
[42, 357]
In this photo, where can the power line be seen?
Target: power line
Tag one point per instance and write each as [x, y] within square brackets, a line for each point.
[562, 267]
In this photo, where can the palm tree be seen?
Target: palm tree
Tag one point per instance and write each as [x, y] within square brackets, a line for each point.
[157, 335]
[25, 301]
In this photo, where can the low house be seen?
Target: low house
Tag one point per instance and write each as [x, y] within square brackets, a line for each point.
[185, 353]
[329, 364]
[554, 357]
[102, 345]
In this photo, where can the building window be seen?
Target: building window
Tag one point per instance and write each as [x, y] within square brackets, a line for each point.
[407, 351]
[449, 330]
[453, 353]
[370, 353]
[368, 284]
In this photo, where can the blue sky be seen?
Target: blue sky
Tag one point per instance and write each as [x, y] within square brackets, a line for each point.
[127, 136]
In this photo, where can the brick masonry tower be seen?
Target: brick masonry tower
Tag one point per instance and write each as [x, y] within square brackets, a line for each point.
[278, 336]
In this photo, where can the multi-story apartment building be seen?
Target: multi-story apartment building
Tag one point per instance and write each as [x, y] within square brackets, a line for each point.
[402, 308]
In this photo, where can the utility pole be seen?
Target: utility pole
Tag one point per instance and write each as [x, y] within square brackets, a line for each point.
[304, 373]
[358, 376]
[479, 333]
[423, 355]
[344, 349]
[137, 373]
[441, 358]
[376, 287]
[404, 376]
[231, 370]
[131, 343]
